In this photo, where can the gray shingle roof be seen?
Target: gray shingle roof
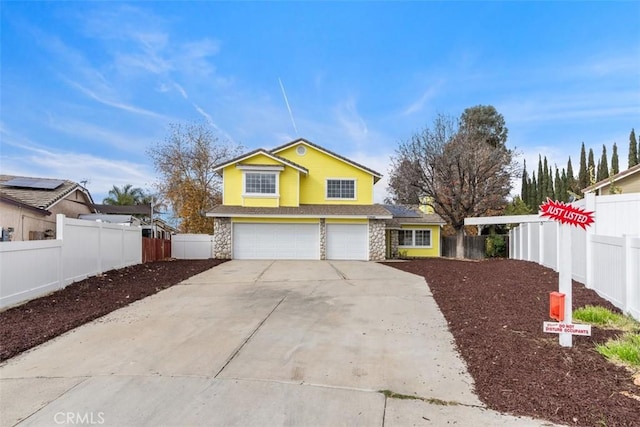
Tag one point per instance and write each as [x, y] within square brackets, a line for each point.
[39, 198]
[321, 211]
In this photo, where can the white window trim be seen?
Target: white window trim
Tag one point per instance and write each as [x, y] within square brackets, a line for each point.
[275, 195]
[413, 238]
[355, 188]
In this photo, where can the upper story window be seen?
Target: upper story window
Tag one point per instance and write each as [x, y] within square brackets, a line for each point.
[341, 189]
[260, 183]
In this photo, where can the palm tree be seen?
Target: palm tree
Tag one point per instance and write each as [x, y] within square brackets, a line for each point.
[127, 195]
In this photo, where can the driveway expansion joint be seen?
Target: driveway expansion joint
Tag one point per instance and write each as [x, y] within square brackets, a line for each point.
[235, 353]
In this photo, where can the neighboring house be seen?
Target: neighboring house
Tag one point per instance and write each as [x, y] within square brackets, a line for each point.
[627, 181]
[157, 227]
[414, 232]
[28, 206]
[298, 201]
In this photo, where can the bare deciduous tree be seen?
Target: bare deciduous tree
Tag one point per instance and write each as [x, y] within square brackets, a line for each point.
[187, 181]
[465, 170]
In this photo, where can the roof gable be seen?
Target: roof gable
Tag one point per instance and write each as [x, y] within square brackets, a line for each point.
[303, 141]
[263, 152]
[607, 181]
[40, 198]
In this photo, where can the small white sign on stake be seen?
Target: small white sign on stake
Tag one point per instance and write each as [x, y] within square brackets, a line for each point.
[566, 328]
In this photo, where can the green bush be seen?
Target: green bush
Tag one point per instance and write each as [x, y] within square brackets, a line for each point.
[495, 246]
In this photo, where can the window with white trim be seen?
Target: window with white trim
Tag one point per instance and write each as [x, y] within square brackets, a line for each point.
[260, 183]
[414, 238]
[341, 189]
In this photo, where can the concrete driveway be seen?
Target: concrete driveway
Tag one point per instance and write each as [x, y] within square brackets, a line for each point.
[256, 343]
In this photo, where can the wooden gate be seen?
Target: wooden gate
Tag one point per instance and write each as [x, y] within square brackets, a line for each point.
[474, 247]
[155, 249]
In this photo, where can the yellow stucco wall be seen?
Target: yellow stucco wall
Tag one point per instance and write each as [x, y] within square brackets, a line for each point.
[433, 251]
[233, 185]
[322, 166]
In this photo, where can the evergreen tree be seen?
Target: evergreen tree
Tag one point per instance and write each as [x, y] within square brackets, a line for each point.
[545, 181]
[591, 169]
[570, 179]
[540, 187]
[524, 191]
[583, 173]
[634, 149]
[535, 202]
[615, 167]
[603, 165]
[550, 189]
[564, 182]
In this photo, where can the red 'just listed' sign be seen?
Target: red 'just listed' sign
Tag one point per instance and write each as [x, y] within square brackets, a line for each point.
[566, 214]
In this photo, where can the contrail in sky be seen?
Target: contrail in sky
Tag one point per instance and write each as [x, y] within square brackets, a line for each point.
[288, 107]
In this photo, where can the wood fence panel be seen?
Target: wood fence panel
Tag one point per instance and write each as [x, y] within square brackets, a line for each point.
[155, 249]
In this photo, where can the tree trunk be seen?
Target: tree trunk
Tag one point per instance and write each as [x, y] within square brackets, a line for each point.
[460, 243]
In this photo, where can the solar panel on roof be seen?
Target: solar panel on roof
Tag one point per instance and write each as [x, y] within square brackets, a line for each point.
[35, 183]
[401, 211]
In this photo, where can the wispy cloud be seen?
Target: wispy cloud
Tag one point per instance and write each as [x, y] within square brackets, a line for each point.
[101, 173]
[419, 104]
[346, 113]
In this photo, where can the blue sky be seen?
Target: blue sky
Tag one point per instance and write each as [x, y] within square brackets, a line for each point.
[87, 87]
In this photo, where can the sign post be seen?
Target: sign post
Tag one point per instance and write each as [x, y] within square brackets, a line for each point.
[567, 215]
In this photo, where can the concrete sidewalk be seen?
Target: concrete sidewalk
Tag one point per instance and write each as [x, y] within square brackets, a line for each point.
[256, 343]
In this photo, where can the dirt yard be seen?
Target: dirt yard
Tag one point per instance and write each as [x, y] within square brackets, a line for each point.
[495, 309]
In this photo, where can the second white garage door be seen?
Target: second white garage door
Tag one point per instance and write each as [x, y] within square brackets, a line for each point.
[348, 241]
[276, 241]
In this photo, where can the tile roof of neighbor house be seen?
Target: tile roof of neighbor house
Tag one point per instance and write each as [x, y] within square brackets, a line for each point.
[322, 211]
[358, 165]
[13, 201]
[40, 198]
[625, 173]
[266, 153]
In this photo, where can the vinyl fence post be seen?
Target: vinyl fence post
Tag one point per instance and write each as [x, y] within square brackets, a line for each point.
[60, 236]
[590, 205]
[629, 285]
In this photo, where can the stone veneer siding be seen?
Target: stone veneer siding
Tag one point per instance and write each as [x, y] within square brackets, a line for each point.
[393, 237]
[377, 243]
[222, 238]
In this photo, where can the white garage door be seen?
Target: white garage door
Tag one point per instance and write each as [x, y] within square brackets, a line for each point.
[348, 241]
[276, 241]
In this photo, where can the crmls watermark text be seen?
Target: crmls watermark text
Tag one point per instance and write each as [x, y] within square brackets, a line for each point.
[74, 418]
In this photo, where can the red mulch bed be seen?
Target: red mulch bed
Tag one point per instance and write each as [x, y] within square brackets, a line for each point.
[42, 319]
[495, 309]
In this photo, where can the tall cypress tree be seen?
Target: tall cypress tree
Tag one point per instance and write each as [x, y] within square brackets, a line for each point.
[564, 182]
[550, 188]
[534, 193]
[583, 174]
[615, 166]
[603, 165]
[591, 169]
[524, 191]
[540, 187]
[634, 148]
[570, 179]
[545, 181]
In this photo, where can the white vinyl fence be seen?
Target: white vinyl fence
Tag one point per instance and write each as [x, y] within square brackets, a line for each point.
[192, 246]
[82, 248]
[605, 256]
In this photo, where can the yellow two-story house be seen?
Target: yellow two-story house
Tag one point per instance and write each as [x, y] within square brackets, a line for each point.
[298, 201]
